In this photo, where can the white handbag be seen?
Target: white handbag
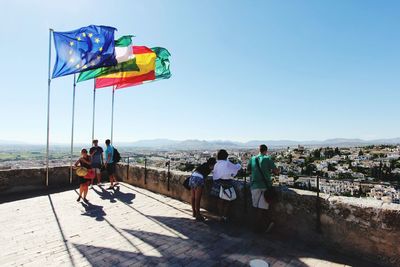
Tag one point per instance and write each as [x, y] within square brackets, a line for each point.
[228, 194]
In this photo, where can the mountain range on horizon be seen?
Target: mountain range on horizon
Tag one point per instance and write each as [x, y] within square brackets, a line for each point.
[195, 144]
[217, 144]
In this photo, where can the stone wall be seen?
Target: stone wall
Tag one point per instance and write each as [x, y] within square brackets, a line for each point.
[33, 179]
[362, 227]
[366, 228]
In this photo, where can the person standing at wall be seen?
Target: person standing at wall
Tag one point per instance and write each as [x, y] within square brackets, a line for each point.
[223, 174]
[261, 167]
[110, 164]
[96, 153]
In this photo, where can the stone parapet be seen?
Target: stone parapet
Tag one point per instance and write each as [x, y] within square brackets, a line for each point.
[32, 179]
[360, 227]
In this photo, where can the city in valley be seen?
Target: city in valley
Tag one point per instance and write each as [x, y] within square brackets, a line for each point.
[371, 171]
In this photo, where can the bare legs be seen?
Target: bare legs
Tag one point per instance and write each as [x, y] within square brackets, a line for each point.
[193, 192]
[112, 180]
[98, 175]
[262, 220]
[83, 190]
[80, 192]
[224, 208]
[196, 199]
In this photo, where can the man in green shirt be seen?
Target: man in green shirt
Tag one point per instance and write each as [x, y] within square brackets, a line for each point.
[261, 167]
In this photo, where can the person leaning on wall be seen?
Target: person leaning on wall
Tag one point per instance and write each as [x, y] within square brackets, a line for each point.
[223, 174]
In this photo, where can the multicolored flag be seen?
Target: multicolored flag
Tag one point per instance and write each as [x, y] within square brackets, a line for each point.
[162, 70]
[153, 64]
[145, 60]
[83, 49]
[124, 56]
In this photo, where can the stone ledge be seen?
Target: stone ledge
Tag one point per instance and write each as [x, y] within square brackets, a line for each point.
[363, 227]
[360, 227]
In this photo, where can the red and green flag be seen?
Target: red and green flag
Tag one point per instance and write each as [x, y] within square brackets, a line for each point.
[153, 65]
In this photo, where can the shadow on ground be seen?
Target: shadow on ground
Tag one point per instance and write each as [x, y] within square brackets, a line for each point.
[188, 242]
[94, 211]
[211, 244]
[114, 194]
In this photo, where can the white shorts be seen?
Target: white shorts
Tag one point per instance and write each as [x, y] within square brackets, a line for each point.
[97, 170]
[257, 196]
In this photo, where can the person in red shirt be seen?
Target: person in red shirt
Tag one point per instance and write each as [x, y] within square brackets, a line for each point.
[84, 161]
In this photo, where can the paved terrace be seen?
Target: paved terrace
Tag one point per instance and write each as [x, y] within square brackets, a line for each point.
[135, 227]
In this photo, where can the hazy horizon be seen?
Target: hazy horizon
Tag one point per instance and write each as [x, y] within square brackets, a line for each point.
[16, 142]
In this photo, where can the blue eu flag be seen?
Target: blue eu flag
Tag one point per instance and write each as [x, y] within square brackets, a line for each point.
[84, 49]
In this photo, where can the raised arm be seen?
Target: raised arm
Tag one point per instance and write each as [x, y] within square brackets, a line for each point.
[234, 168]
[86, 161]
[249, 166]
[77, 163]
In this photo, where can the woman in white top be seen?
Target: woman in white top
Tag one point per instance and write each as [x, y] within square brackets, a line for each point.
[223, 174]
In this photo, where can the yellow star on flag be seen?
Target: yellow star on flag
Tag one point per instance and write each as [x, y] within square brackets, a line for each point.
[79, 38]
[71, 43]
[101, 49]
[72, 60]
[84, 34]
[70, 52]
[97, 40]
[84, 67]
[90, 35]
[77, 66]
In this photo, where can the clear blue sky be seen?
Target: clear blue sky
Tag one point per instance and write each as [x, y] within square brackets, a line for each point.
[242, 70]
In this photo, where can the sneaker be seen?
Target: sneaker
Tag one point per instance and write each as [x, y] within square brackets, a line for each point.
[200, 218]
[111, 187]
[270, 226]
[91, 186]
[79, 199]
[85, 200]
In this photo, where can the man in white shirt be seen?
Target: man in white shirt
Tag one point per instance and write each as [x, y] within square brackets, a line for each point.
[223, 174]
[225, 170]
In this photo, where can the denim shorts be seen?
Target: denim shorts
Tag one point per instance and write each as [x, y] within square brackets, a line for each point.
[216, 186]
[196, 181]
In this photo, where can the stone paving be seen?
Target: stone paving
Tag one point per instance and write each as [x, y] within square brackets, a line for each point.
[135, 227]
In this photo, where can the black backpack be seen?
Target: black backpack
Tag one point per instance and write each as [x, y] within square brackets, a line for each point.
[116, 156]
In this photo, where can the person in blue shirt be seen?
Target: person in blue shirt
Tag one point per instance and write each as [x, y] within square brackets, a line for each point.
[96, 153]
[110, 164]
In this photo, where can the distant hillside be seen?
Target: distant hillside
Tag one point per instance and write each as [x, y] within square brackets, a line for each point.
[11, 142]
[182, 145]
[208, 145]
[152, 143]
[194, 144]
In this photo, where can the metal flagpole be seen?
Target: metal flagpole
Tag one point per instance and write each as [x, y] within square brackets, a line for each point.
[48, 112]
[72, 129]
[112, 115]
[94, 106]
